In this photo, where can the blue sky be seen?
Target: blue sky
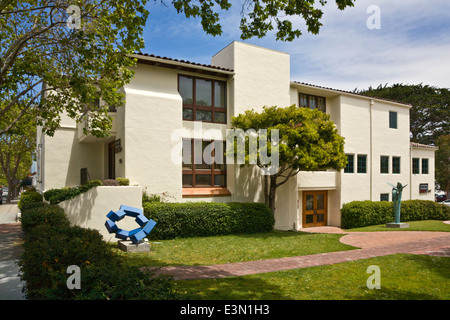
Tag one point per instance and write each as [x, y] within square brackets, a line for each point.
[412, 45]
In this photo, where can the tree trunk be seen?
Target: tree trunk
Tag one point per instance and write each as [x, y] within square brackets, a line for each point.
[272, 193]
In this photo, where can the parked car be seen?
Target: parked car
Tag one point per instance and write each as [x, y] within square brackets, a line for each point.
[441, 197]
[446, 202]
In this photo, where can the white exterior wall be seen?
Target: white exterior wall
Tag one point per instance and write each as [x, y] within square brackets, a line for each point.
[262, 78]
[417, 179]
[153, 112]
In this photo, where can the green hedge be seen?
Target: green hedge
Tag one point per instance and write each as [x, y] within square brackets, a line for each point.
[367, 213]
[55, 196]
[51, 245]
[29, 196]
[195, 219]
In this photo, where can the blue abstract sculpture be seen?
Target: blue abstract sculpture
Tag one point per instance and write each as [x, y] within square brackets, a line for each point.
[135, 235]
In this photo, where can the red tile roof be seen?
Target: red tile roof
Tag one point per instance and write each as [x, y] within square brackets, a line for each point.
[419, 145]
[183, 61]
[350, 92]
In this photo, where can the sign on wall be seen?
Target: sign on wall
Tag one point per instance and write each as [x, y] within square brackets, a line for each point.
[423, 188]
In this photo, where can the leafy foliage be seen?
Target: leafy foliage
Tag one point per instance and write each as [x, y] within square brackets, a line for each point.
[52, 245]
[442, 168]
[29, 196]
[309, 141]
[198, 219]
[367, 213]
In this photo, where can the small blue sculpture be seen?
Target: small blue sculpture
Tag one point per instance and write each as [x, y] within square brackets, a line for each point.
[135, 235]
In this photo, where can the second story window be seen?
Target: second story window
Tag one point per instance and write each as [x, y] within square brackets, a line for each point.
[203, 99]
[392, 120]
[312, 102]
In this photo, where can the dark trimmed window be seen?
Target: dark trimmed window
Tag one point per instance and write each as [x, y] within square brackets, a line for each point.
[362, 163]
[415, 165]
[395, 164]
[425, 166]
[204, 163]
[392, 119]
[384, 164]
[312, 102]
[203, 99]
[384, 197]
[349, 168]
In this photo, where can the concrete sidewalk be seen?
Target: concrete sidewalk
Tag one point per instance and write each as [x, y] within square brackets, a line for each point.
[10, 249]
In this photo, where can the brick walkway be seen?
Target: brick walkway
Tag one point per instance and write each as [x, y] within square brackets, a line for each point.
[371, 244]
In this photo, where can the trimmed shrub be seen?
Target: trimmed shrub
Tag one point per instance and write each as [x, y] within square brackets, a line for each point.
[29, 196]
[55, 196]
[123, 181]
[110, 183]
[195, 219]
[52, 245]
[44, 214]
[367, 213]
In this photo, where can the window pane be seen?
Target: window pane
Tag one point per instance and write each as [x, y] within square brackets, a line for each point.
[321, 104]
[392, 120]
[416, 169]
[202, 115]
[309, 202]
[203, 180]
[320, 202]
[424, 166]
[202, 158]
[395, 164]
[187, 153]
[219, 94]
[186, 89]
[312, 102]
[203, 91]
[187, 114]
[303, 100]
[362, 159]
[349, 167]
[220, 117]
[187, 179]
[219, 155]
[384, 164]
[219, 180]
[384, 197]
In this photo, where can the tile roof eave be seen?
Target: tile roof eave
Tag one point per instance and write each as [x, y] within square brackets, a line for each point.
[350, 93]
[422, 146]
[146, 56]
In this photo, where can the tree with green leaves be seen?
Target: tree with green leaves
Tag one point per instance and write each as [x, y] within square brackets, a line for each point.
[430, 108]
[77, 52]
[16, 148]
[442, 163]
[308, 141]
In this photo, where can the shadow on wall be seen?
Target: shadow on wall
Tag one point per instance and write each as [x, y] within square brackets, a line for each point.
[89, 209]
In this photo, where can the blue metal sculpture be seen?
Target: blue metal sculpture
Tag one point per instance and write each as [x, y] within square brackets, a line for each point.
[135, 235]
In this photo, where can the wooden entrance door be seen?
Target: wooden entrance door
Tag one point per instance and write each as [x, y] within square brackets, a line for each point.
[314, 208]
[111, 161]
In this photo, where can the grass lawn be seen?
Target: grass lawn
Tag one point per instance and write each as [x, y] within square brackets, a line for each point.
[235, 248]
[425, 225]
[402, 276]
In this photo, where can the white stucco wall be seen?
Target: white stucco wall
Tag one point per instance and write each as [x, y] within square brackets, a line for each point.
[89, 209]
[417, 179]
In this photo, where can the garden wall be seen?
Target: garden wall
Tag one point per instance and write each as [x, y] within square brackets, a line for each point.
[89, 209]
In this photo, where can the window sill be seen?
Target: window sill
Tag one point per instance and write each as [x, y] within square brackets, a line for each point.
[205, 192]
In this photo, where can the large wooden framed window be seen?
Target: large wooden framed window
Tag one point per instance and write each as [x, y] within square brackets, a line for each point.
[204, 164]
[203, 99]
[312, 102]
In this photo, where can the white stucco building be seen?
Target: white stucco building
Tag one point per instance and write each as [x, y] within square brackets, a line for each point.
[165, 102]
